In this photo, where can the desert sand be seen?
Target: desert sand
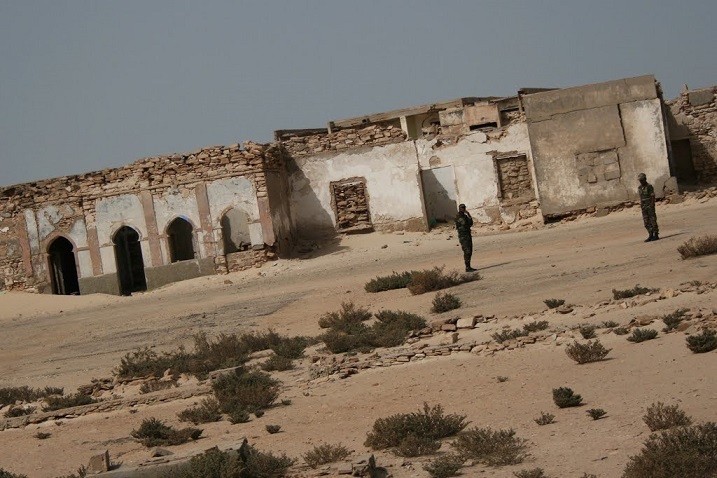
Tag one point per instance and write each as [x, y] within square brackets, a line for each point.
[67, 341]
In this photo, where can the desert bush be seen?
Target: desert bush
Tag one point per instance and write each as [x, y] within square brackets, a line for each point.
[395, 281]
[337, 341]
[413, 446]
[536, 326]
[620, 331]
[673, 320]
[273, 429]
[698, 246]
[244, 390]
[11, 395]
[206, 411]
[392, 327]
[545, 419]
[592, 351]
[238, 415]
[19, 411]
[347, 331]
[554, 303]
[596, 413]
[156, 385]
[587, 331]
[154, 432]
[445, 302]
[429, 423]
[6, 474]
[277, 363]
[345, 319]
[324, 454]
[505, 335]
[143, 362]
[80, 473]
[491, 447]
[430, 280]
[610, 324]
[444, 466]
[627, 293]
[661, 417]
[533, 473]
[564, 397]
[54, 402]
[42, 435]
[685, 452]
[704, 342]
[247, 462]
[501, 378]
[640, 335]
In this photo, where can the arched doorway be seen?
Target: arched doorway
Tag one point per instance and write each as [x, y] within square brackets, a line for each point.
[181, 240]
[130, 264]
[235, 231]
[63, 268]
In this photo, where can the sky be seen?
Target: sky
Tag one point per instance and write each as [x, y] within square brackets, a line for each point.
[87, 85]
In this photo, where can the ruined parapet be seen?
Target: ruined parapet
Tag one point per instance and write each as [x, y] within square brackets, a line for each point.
[341, 140]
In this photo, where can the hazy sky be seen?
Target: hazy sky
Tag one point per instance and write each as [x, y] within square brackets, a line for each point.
[86, 85]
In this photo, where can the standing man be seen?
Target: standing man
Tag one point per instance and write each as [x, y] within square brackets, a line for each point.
[464, 221]
[647, 204]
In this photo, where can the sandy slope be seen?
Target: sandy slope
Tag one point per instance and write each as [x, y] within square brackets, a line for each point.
[65, 341]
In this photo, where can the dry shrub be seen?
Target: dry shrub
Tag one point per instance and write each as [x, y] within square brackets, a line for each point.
[19, 411]
[587, 331]
[505, 335]
[533, 473]
[273, 429]
[345, 319]
[11, 395]
[42, 435]
[445, 302]
[564, 397]
[641, 335]
[154, 432]
[620, 331]
[704, 342]
[501, 378]
[245, 391]
[392, 327]
[6, 474]
[596, 413]
[238, 415]
[413, 446]
[592, 351]
[491, 447]
[58, 403]
[430, 280]
[554, 303]
[394, 281]
[545, 419]
[698, 246]
[206, 411]
[156, 385]
[673, 320]
[627, 293]
[247, 462]
[662, 417]
[536, 326]
[684, 452]
[277, 363]
[444, 466]
[429, 423]
[610, 324]
[324, 454]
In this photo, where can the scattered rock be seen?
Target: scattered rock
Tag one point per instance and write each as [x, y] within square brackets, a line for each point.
[448, 327]
[99, 463]
[466, 323]
[364, 466]
[155, 452]
[564, 309]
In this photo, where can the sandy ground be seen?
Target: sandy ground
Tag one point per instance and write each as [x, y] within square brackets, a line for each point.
[66, 341]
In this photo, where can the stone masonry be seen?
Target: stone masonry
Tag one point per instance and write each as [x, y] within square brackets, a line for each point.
[697, 111]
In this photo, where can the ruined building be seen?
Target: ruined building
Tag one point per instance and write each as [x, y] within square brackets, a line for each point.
[541, 153]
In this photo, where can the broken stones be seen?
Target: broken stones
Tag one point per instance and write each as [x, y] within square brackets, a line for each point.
[364, 466]
[564, 309]
[448, 327]
[99, 463]
[466, 323]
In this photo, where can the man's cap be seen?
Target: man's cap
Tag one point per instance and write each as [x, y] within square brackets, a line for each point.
[461, 206]
[641, 176]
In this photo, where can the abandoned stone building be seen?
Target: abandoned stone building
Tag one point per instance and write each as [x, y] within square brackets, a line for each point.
[540, 153]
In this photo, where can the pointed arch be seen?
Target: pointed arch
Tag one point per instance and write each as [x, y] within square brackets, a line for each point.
[180, 237]
[130, 263]
[235, 230]
[63, 267]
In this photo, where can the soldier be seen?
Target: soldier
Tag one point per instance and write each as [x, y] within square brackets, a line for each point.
[464, 221]
[647, 204]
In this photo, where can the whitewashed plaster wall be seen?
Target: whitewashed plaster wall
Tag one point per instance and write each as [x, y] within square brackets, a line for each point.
[112, 213]
[172, 205]
[392, 183]
[472, 160]
[240, 193]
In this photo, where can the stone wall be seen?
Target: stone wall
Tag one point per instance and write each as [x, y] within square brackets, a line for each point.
[514, 177]
[373, 135]
[694, 117]
[33, 214]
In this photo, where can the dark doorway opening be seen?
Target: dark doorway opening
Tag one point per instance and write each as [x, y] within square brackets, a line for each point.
[130, 264]
[684, 166]
[439, 194]
[63, 268]
[181, 240]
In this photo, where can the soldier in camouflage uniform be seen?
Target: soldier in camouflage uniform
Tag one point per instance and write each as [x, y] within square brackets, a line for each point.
[464, 221]
[647, 204]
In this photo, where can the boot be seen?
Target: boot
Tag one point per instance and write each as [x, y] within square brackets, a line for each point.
[656, 237]
[650, 238]
[470, 269]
